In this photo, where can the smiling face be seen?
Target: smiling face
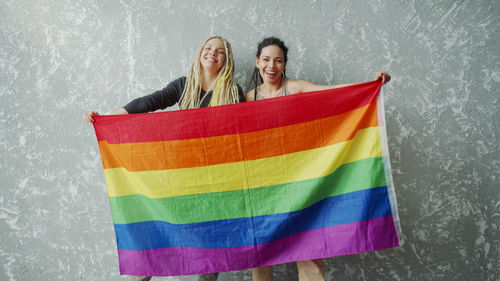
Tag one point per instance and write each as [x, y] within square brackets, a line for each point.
[271, 63]
[213, 55]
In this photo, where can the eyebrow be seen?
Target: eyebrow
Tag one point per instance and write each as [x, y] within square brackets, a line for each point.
[271, 57]
[218, 48]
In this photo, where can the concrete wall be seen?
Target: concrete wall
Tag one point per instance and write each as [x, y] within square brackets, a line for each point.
[61, 58]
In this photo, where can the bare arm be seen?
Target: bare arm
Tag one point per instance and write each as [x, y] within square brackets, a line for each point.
[300, 86]
[89, 119]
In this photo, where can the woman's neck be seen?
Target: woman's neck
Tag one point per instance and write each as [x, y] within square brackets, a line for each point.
[208, 80]
[271, 89]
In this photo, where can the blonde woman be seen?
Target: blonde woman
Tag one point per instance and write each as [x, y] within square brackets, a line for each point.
[209, 83]
[270, 64]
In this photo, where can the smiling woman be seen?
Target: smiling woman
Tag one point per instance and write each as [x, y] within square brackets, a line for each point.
[270, 64]
[214, 70]
[209, 83]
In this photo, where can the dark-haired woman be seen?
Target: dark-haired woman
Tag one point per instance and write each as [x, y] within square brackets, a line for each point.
[270, 64]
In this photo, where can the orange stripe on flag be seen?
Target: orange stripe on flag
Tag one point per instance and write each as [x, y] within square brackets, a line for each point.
[198, 152]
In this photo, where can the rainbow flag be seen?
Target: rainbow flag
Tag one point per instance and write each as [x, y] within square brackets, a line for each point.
[238, 186]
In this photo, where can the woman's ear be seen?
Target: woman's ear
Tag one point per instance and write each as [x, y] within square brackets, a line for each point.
[257, 62]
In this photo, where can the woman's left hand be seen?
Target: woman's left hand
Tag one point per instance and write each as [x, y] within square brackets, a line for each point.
[382, 75]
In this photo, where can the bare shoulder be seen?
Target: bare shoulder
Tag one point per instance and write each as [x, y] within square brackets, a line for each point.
[250, 96]
[297, 86]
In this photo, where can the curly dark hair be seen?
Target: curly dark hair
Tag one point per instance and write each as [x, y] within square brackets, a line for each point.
[269, 41]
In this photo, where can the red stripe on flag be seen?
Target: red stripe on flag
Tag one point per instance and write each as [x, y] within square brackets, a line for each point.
[233, 119]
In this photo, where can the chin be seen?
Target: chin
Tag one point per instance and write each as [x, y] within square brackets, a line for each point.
[271, 80]
[210, 65]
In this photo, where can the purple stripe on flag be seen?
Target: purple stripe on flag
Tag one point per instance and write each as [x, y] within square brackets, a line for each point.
[345, 239]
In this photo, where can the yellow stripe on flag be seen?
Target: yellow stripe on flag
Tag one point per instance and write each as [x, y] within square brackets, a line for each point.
[281, 169]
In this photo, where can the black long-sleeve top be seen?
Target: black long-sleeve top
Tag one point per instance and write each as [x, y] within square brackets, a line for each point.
[168, 96]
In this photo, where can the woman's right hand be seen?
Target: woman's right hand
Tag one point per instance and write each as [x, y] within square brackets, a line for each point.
[88, 116]
[384, 76]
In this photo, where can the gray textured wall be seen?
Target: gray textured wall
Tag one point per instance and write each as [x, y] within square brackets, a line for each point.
[61, 58]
